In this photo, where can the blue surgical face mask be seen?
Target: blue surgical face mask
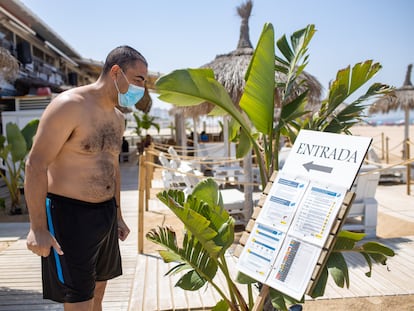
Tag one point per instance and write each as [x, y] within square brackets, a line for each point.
[132, 96]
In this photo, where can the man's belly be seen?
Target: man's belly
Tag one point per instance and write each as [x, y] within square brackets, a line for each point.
[86, 183]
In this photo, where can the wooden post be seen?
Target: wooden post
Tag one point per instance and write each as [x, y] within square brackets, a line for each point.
[407, 155]
[141, 190]
[386, 150]
[382, 146]
[147, 181]
[152, 160]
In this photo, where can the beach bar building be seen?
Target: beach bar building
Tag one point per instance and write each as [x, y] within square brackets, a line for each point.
[36, 63]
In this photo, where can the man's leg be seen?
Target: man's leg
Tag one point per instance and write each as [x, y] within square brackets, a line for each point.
[94, 304]
[98, 295]
[79, 306]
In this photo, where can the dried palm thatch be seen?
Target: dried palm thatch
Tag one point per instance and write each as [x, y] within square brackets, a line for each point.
[192, 111]
[9, 67]
[230, 70]
[401, 98]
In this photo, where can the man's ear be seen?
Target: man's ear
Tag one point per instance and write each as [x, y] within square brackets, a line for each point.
[114, 71]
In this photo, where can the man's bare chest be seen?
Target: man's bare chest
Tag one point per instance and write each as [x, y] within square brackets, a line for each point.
[97, 137]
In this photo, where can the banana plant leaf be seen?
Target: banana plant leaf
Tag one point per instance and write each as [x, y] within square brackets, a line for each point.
[259, 92]
[17, 142]
[29, 132]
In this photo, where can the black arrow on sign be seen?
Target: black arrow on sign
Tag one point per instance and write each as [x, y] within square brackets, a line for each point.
[310, 166]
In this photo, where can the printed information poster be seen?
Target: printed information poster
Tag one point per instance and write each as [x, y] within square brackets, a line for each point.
[282, 202]
[317, 213]
[300, 209]
[260, 251]
[288, 236]
[293, 268]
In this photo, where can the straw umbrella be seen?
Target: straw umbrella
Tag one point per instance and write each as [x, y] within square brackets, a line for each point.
[230, 69]
[9, 67]
[401, 98]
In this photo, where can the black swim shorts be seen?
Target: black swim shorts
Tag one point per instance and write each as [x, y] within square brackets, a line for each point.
[88, 235]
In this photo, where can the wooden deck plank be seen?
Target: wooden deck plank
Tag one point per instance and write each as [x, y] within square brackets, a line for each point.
[165, 298]
[150, 285]
[180, 299]
[138, 287]
[386, 282]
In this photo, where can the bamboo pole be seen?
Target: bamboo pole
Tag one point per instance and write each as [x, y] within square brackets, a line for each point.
[141, 194]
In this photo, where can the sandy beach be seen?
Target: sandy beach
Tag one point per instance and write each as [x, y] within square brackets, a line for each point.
[380, 134]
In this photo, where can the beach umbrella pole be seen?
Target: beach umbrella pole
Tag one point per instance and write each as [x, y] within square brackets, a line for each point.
[406, 130]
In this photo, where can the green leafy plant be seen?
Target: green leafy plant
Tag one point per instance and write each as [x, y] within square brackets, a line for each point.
[14, 147]
[209, 232]
[255, 127]
[144, 122]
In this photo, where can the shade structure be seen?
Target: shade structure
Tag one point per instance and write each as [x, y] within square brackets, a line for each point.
[230, 70]
[9, 67]
[401, 98]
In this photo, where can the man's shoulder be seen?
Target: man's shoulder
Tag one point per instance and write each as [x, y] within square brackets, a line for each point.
[70, 100]
[75, 95]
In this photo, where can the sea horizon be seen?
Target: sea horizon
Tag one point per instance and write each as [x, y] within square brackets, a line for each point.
[391, 118]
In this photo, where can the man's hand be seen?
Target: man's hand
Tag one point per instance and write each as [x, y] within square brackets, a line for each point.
[123, 229]
[40, 242]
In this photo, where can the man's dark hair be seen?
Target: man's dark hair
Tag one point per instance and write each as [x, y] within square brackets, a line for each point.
[122, 56]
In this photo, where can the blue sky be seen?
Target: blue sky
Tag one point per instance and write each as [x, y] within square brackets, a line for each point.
[190, 33]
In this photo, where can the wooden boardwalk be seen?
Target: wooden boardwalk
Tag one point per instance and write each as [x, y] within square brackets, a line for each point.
[143, 286]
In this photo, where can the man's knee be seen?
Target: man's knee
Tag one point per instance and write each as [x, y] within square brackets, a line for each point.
[79, 306]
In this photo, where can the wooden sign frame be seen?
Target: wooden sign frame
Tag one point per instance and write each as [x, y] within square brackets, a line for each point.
[326, 250]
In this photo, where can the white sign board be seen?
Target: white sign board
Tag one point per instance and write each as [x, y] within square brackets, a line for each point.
[300, 210]
[327, 157]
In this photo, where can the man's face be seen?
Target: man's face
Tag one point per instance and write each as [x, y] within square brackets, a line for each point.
[137, 73]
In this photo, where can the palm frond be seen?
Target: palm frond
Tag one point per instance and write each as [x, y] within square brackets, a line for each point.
[191, 256]
[196, 223]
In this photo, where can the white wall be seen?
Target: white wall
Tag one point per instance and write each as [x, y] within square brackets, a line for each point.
[21, 118]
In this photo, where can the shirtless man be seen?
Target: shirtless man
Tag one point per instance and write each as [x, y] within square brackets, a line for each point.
[72, 184]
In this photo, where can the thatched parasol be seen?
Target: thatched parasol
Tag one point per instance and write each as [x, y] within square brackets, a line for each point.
[9, 67]
[230, 68]
[401, 98]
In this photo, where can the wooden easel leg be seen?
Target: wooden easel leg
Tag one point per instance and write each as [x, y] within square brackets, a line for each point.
[258, 304]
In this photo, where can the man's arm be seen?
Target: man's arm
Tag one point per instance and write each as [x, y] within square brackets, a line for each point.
[54, 129]
[123, 230]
